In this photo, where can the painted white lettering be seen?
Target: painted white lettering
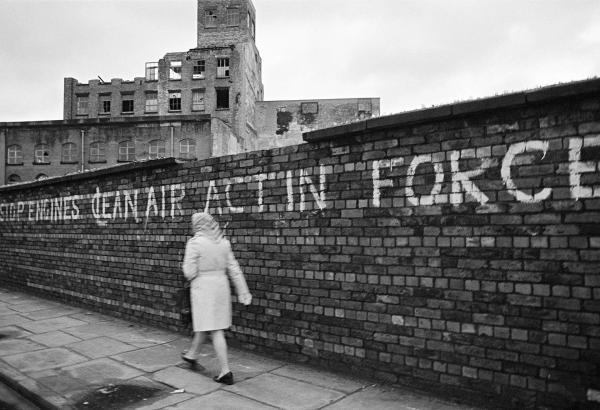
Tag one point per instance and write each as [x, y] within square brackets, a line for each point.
[382, 183]
[578, 167]
[517, 149]
[438, 168]
[176, 201]
[461, 180]
[131, 204]
[117, 211]
[151, 204]
[290, 191]
[233, 209]
[260, 178]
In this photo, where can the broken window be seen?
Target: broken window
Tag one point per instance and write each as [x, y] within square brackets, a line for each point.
[210, 18]
[151, 102]
[175, 70]
[157, 149]
[97, 152]
[82, 104]
[69, 153]
[126, 151]
[105, 104]
[199, 69]
[223, 67]
[41, 154]
[13, 179]
[198, 100]
[233, 16]
[151, 71]
[127, 104]
[175, 101]
[187, 149]
[222, 98]
[14, 155]
[309, 107]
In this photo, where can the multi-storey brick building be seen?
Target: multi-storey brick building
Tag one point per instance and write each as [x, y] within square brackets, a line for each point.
[218, 82]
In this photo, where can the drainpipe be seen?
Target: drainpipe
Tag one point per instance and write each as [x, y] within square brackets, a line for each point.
[172, 141]
[82, 150]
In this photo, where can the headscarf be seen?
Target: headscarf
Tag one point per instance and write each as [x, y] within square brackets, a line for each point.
[205, 225]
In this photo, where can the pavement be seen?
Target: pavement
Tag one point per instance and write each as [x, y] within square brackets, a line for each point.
[59, 356]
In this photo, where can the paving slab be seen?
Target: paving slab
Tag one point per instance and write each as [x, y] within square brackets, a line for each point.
[13, 319]
[32, 307]
[61, 382]
[100, 347]
[43, 359]
[221, 400]
[54, 339]
[188, 380]
[382, 398]
[152, 359]
[101, 371]
[13, 346]
[47, 325]
[51, 312]
[320, 378]
[285, 393]
[13, 332]
[165, 402]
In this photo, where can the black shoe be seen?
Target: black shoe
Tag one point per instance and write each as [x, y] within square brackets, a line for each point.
[193, 362]
[225, 379]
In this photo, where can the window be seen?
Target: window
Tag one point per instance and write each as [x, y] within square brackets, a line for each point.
[199, 69]
[82, 104]
[126, 151]
[14, 155]
[39, 177]
[105, 104]
[151, 71]
[127, 104]
[309, 107]
[97, 152]
[13, 179]
[151, 102]
[223, 67]
[175, 101]
[233, 16]
[210, 18]
[157, 149]
[187, 149]
[41, 154]
[69, 153]
[175, 70]
[222, 98]
[198, 100]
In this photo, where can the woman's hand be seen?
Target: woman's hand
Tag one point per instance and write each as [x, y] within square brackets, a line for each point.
[245, 299]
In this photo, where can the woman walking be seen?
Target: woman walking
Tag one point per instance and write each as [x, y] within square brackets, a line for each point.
[207, 263]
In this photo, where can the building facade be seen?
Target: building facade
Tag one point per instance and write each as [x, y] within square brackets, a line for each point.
[219, 83]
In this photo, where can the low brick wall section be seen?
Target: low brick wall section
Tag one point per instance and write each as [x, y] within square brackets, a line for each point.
[457, 246]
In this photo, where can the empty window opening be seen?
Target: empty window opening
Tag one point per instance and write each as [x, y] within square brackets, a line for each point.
[210, 18]
[105, 104]
[126, 151]
[187, 149]
[222, 98]
[14, 155]
[175, 101]
[41, 154]
[157, 149]
[198, 100]
[199, 69]
[97, 152]
[151, 71]
[69, 152]
[175, 70]
[233, 16]
[82, 104]
[223, 67]
[127, 104]
[151, 102]
[14, 178]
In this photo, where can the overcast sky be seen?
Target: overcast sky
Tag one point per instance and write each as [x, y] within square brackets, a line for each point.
[410, 53]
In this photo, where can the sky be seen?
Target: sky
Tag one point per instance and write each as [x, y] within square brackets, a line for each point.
[411, 54]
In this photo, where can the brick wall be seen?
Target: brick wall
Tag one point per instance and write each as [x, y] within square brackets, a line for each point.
[457, 246]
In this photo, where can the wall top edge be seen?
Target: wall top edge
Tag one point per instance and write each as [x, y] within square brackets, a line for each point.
[447, 111]
[154, 163]
[107, 121]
